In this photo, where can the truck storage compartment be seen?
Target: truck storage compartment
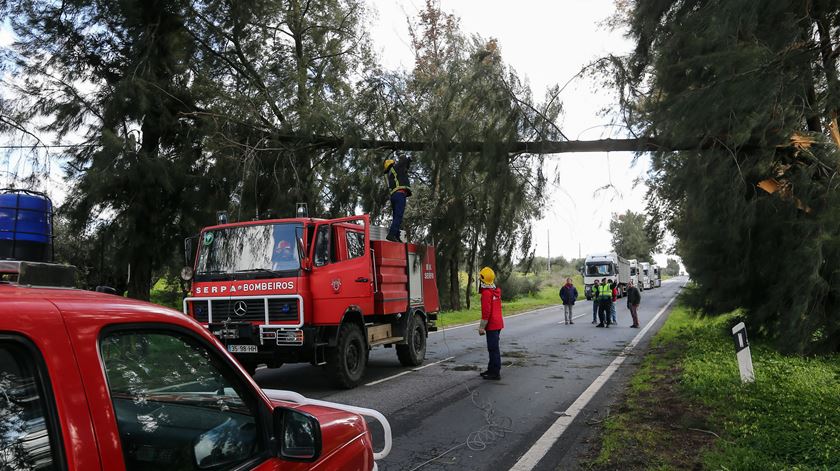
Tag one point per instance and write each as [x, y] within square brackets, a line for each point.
[389, 259]
[405, 276]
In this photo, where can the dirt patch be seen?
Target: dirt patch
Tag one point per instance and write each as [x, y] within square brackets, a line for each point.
[517, 358]
[653, 426]
[463, 368]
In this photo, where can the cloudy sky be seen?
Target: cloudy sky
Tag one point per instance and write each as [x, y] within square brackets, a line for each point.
[548, 42]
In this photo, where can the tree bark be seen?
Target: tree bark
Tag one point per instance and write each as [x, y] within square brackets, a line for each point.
[454, 288]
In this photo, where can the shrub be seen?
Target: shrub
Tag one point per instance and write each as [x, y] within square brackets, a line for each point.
[518, 285]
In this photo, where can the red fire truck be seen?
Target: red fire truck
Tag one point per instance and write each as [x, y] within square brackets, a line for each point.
[323, 291]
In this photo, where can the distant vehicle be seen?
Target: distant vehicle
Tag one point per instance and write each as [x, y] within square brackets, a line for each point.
[605, 265]
[634, 272]
[93, 381]
[656, 275]
[646, 275]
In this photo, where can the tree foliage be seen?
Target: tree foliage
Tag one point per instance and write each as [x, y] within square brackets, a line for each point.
[188, 107]
[629, 237]
[672, 268]
[755, 84]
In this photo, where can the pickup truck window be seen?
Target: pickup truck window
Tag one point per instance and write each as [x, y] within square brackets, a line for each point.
[25, 441]
[175, 406]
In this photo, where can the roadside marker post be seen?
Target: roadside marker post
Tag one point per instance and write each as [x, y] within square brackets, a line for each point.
[742, 351]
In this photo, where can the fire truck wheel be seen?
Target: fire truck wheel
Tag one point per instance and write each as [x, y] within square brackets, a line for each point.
[414, 351]
[348, 359]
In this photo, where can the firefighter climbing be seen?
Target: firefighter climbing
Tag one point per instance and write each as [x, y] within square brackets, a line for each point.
[396, 176]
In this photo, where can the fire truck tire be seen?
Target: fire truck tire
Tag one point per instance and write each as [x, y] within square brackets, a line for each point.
[414, 351]
[348, 359]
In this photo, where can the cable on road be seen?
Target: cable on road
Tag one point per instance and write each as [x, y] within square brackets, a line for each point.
[494, 428]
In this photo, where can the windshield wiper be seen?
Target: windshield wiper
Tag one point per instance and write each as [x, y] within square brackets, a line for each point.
[260, 270]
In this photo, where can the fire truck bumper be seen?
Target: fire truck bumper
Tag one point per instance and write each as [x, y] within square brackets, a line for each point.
[269, 345]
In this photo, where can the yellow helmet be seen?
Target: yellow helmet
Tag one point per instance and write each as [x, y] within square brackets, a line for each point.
[487, 276]
[388, 163]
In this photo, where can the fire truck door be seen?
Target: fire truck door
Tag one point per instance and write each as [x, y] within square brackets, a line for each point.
[342, 273]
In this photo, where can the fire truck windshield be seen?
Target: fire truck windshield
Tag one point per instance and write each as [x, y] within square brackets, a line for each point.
[256, 249]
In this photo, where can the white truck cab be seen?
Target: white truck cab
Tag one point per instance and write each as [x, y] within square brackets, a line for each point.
[605, 265]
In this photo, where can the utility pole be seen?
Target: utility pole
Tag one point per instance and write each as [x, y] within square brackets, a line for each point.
[548, 231]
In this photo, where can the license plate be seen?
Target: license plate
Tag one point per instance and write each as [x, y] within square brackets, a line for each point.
[242, 348]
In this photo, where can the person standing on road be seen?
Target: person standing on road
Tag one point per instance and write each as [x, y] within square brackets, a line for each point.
[634, 298]
[396, 175]
[604, 303]
[614, 289]
[491, 321]
[595, 300]
[569, 294]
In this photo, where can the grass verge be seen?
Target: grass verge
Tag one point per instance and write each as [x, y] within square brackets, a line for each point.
[686, 408]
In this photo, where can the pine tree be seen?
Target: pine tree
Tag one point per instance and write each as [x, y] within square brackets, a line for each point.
[753, 85]
[629, 238]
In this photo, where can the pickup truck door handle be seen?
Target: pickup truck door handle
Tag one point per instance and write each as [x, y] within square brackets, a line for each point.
[362, 279]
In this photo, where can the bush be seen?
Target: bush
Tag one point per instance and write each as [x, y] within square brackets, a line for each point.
[518, 285]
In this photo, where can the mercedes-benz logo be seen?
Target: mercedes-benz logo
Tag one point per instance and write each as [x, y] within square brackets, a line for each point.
[240, 308]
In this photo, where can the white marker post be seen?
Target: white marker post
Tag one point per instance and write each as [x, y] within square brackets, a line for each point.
[742, 351]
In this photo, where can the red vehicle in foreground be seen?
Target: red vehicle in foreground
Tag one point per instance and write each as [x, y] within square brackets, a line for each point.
[323, 291]
[92, 381]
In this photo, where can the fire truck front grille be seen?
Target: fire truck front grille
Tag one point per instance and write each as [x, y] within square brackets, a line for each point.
[200, 311]
[252, 310]
[282, 310]
[239, 309]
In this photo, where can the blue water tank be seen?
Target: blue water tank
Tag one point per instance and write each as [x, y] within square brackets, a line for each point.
[25, 226]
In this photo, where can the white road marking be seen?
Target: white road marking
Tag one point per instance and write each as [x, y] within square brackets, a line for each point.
[407, 372]
[431, 364]
[388, 378]
[536, 453]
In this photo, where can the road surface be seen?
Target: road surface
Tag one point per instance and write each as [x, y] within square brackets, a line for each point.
[444, 416]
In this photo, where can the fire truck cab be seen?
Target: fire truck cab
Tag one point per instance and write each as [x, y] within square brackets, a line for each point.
[323, 291]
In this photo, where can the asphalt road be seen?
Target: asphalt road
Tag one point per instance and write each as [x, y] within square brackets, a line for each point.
[444, 416]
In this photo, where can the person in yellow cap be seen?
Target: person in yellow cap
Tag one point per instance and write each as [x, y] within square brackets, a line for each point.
[396, 175]
[492, 322]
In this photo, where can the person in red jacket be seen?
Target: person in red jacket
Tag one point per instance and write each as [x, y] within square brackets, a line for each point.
[491, 321]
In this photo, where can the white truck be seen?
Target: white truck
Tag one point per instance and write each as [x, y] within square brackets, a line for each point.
[605, 265]
[634, 272]
[656, 276]
[645, 278]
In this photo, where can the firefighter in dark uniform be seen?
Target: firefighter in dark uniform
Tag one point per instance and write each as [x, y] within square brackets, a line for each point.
[396, 174]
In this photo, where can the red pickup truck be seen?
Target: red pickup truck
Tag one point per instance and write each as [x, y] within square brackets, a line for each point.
[92, 381]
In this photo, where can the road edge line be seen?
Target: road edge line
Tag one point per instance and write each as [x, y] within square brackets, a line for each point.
[540, 448]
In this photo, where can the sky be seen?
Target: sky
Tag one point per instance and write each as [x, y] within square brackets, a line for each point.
[548, 42]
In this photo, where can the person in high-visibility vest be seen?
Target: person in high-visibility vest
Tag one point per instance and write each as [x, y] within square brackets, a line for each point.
[595, 300]
[396, 176]
[604, 302]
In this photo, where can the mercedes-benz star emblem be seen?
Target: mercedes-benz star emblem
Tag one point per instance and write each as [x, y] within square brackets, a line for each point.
[240, 308]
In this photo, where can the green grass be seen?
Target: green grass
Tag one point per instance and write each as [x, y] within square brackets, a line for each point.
[548, 295]
[788, 419]
[166, 294]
